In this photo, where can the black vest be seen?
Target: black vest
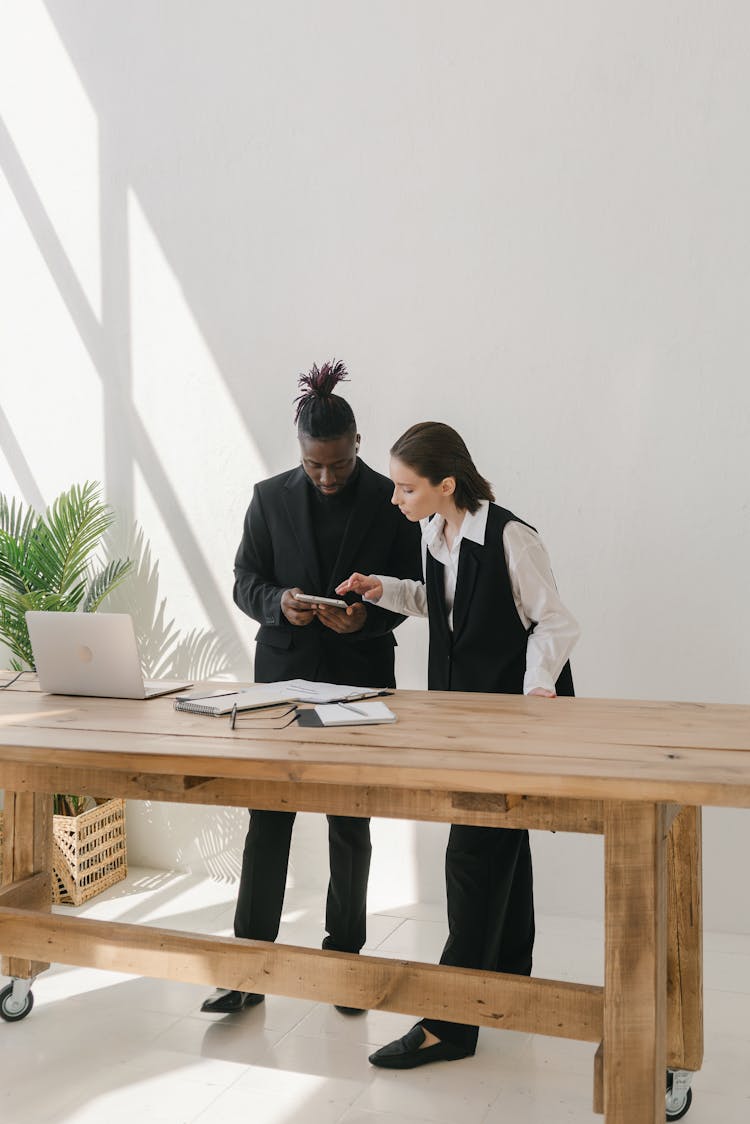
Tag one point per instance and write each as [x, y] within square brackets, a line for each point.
[486, 651]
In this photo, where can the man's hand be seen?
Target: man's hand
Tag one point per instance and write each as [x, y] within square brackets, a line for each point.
[296, 612]
[544, 692]
[342, 620]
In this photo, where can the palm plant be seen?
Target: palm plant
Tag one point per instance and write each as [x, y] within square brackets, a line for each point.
[46, 562]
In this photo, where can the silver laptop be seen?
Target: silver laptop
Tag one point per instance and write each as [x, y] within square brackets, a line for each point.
[91, 654]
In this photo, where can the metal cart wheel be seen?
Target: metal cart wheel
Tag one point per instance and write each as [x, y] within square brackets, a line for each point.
[16, 1001]
[679, 1093]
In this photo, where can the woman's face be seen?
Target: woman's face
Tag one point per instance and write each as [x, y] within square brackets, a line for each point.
[415, 496]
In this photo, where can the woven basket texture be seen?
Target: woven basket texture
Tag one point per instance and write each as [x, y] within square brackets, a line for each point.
[89, 852]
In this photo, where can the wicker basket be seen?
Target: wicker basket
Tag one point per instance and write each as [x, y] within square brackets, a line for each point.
[89, 852]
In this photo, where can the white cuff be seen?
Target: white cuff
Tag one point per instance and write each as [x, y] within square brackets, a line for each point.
[538, 677]
[390, 597]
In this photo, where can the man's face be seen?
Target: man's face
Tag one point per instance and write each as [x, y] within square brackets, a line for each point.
[329, 464]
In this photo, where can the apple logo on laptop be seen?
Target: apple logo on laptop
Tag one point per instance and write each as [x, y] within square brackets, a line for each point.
[85, 655]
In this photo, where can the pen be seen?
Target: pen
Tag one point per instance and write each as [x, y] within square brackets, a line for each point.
[369, 695]
[356, 709]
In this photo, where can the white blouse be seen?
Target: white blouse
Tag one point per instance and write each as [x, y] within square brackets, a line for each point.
[534, 591]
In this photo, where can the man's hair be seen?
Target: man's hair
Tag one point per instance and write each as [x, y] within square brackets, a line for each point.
[321, 413]
[434, 450]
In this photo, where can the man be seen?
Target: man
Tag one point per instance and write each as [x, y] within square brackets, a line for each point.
[305, 531]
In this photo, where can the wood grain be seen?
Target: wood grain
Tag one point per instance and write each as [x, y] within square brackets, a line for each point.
[634, 1042]
[582, 748]
[685, 942]
[27, 851]
[592, 765]
[484, 809]
[536, 1006]
[30, 893]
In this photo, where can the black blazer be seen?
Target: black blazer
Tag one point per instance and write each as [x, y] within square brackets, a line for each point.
[278, 552]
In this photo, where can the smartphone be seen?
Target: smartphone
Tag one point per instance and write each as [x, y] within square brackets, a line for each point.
[310, 600]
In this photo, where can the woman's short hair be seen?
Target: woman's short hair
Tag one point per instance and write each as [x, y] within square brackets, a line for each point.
[320, 413]
[434, 450]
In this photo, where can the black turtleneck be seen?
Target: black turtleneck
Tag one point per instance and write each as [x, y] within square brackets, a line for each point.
[330, 518]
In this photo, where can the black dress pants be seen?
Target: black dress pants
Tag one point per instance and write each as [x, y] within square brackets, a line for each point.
[489, 885]
[263, 879]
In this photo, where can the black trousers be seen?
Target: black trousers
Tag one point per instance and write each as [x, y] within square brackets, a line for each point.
[489, 885]
[263, 879]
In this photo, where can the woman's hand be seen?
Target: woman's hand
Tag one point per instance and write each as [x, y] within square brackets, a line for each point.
[369, 587]
[543, 692]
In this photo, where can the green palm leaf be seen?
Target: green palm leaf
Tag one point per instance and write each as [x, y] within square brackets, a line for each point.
[103, 582]
[15, 635]
[46, 561]
[16, 532]
[68, 534]
[13, 520]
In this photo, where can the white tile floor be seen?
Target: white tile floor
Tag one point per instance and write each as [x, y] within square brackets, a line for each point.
[106, 1046]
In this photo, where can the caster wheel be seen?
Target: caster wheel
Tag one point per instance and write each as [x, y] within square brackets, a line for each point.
[679, 1111]
[11, 1010]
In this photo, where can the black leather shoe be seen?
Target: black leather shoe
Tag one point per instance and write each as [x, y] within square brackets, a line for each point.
[405, 1052]
[224, 1002]
[349, 1010]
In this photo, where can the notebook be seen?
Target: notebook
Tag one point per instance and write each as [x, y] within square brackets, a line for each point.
[216, 703]
[222, 700]
[306, 690]
[347, 714]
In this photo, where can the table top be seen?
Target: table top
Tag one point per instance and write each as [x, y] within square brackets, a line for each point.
[687, 753]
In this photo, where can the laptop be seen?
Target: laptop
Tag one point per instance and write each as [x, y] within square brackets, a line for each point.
[91, 654]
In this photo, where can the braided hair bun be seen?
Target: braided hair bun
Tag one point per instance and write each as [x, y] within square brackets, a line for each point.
[320, 413]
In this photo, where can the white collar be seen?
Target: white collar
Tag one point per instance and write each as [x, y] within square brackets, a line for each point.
[474, 526]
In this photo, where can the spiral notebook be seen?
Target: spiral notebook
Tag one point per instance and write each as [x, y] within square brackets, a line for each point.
[216, 703]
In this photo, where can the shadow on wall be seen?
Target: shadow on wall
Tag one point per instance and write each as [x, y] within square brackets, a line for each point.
[187, 838]
[166, 651]
[209, 842]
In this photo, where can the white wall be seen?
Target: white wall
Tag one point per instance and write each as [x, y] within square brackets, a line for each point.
[529, 220]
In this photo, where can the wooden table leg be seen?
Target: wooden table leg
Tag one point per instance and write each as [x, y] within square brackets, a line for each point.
[635, 965]
[27, 850]
[685, 942]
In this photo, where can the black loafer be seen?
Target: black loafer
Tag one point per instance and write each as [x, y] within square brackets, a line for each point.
[224, 1002]
[349, 1010]
[405, 1053]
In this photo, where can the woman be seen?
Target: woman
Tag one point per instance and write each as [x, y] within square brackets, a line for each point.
[496, 624]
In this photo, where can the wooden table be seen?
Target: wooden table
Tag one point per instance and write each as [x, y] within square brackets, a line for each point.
[635, 771]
